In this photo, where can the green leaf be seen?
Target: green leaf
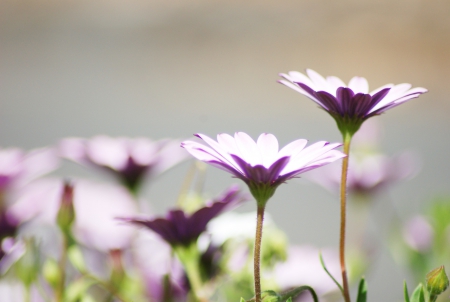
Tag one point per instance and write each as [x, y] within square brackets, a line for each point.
[418, 294]
[329, 274]
[289, 300]
[242, 300]
[362, 291]
[405, 291]
[270, 296]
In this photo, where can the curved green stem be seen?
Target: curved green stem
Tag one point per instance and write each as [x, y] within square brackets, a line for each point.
[257, 253]
[347, 140]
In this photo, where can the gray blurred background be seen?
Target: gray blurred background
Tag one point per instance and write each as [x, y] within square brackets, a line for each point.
[172, 68]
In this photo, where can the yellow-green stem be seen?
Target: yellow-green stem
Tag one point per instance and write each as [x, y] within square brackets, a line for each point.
[62, 270]
[257, 253]
[190, 258]
[346, 293]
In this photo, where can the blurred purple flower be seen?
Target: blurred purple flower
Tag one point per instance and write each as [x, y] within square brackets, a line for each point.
[163, 274]
[418, 234]
[260, 164]
[18, 168]
[303, 267]
[130, 160]
[96, 208]
[10, 251]
[369, 171]
[8, 225]
[350, 103]
[180, 228]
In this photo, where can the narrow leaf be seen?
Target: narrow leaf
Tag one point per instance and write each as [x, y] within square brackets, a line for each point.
[405, 291]
[329, 274]
[418, 294]
[362, 291]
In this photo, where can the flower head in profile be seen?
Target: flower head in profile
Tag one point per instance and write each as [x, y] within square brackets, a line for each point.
[180, 228]
[260, 164]
[350, 105]
[128, 159]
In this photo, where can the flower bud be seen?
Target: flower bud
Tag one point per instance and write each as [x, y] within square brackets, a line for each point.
[66, 213]
[437, 281]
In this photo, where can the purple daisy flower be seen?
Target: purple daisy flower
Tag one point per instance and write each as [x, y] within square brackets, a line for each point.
[128, 159]
[349, 104]
[260, 164]
[180, 228]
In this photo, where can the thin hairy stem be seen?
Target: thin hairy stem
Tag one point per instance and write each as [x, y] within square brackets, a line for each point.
[257, 253]
[346, 293]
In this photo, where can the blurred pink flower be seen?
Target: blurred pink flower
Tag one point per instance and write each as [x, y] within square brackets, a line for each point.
[369, 171]
[18, 167]
[130, 160]
[155, 262]
[418, 234]
[303, 267]
[96, 208]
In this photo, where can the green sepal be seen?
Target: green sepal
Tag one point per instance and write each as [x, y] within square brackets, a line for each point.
[362, 291]
[270, 296]
[242, 300]
[418, 294]
[405, 291]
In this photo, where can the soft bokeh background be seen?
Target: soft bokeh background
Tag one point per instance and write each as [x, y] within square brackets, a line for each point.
[172, 68]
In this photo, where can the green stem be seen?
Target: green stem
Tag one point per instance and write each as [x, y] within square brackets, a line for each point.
[347, 140]
[59, 294]
[257, 253]
[190, 257]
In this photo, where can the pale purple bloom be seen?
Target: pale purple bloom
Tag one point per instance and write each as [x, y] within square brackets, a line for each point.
[303, 267]
[261, 165]
[367, 173]
[155, 263]
[180, 228]
[369, 170]
[96, 208]
[418, 234]
[130, 160]
[353, 100]
[18, 167]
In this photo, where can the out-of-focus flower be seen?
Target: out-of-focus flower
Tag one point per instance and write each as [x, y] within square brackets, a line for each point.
[418, 234]
[349, 104]
[96, 208]
[303, 267]
[369, 170]
[164, 277]
[18, 167]
[10, 251]
[130, 160]
[180, 228]
[367, 173]
[260, 164]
